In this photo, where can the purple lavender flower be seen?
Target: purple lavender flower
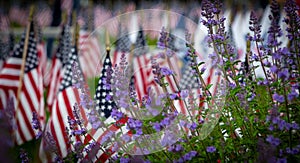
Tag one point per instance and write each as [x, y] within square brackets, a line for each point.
[173, 96]
[272, 140]
[278, 98]
[284, 74]
[188, 156]
[126, 138]
[274, 69]
[79, 132]
[78, 147]
[156, 71]
[36, 125]
[157, 127]
[35, 121]
[124, 160]
[166, 71]
[94, 120]
[162, 39]
[281, 124]
[293, 94]
[295, 151]
[255, 27]
[184, 94]
[178, 148]
[192, 126]
[202, 70]
[211, 149]
[166, 121]
[281, 160]
[117, 115]
[92, 149]
[24, 156]
[58, 159]
[295, 126]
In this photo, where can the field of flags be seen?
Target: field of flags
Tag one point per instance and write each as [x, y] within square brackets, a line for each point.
[45, 95]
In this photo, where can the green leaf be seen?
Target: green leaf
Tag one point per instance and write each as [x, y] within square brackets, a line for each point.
[208, 86]
[201, 63]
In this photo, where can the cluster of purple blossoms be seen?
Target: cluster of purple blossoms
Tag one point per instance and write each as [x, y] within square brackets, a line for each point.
[184, 94]
[24, 156]
[85, 100]
[78, 149]
[92, 149]
[159, 72]
[187, 157]
[175, 148]
[124, 160]
[156, 70]
[116, 114]
[211, 149]
[192, 125]
[76, 127]
[164, 42]
[209, 10]
[281, 124]
[165, 122]
[93, 118]
[272, 140]
[166, 71]
[36, 125]
[136, 125]
[255, 27]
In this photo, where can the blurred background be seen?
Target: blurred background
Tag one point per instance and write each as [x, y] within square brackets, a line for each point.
[50, 15]
[92, 13]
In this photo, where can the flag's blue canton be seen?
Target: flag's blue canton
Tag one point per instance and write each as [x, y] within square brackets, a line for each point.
[4, 49]
[11, 41]
[171, 42]
[63, 50]
[68, 74]
[189, 80]
[123, 44]
[103, 94]
[31, 58]
[141, 46]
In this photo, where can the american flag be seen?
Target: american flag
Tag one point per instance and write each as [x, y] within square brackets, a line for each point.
[141, 65]
[58, 63]
[104, 105]
[89, 53]
[31, 95]
[18, 15]
[44, 16]
[188, 82]
[42, 54]
[62, 108]
[101, 15]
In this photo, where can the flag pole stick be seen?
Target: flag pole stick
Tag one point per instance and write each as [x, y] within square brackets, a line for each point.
[76, 35]
[24, 57]
[64, 17]
[107, 41]
[75, 26]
